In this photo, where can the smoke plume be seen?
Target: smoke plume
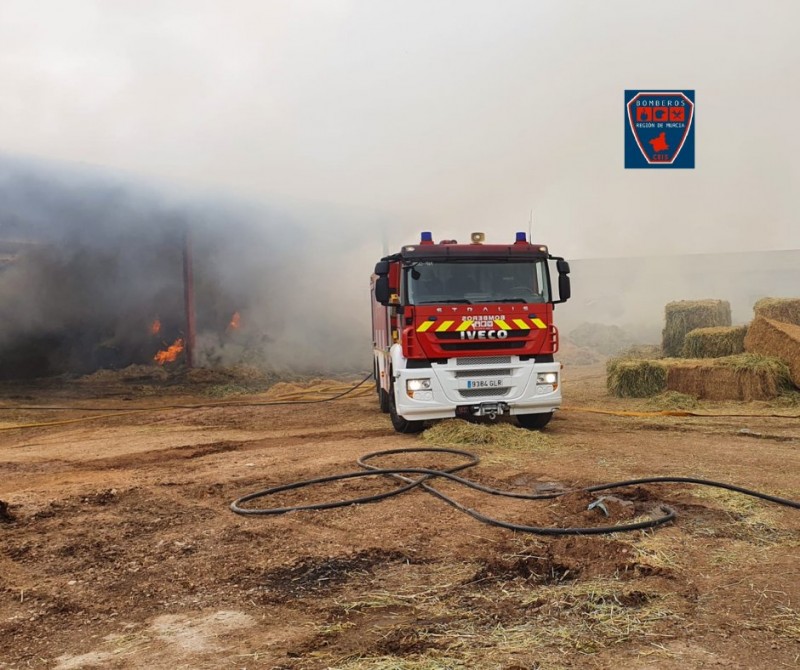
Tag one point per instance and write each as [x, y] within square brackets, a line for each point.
[91, 264]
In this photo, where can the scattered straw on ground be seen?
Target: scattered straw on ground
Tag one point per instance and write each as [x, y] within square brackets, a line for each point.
[464, 433]
[786, 310]
[132, 373]
[684, 316]
[714, 342]
[672, 400]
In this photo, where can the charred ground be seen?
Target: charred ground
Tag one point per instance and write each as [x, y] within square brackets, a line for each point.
[119, 550]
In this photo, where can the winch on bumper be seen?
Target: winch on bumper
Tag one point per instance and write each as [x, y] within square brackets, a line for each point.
[478, 386]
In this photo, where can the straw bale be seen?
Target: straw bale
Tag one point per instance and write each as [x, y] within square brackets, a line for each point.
[683, 316]
[786, 310]
[742, 377]
[714, 342]
[774, 338]
[635, 378]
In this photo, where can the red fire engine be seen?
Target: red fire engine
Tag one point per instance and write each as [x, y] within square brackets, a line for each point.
[467, 330]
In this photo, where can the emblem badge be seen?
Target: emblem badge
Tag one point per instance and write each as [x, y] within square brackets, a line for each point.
[659, 129]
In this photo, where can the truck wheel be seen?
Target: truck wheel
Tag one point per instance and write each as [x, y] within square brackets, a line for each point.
[534, 421]
[400, 424]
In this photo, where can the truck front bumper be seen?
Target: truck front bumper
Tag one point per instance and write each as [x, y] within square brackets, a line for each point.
[492, 385]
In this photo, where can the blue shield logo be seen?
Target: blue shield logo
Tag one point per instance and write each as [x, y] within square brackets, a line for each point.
[659, 129]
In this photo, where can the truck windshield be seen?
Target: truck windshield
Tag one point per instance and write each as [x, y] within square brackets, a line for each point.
[429, 283]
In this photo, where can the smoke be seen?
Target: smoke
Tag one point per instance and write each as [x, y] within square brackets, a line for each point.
[454, 115]
[632, 292]
[91, 263]
[350, 124]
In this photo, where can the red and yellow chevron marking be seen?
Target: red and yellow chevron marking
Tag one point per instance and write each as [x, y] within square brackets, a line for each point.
[501, 324]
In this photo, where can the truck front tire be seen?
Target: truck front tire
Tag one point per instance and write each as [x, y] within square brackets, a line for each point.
[400, 424]
[534, 421]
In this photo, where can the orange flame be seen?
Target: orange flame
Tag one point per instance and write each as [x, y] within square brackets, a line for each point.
[155, 327]
[236, 321]
[169, 354]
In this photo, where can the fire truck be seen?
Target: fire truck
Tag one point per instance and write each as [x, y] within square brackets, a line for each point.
[467, 330]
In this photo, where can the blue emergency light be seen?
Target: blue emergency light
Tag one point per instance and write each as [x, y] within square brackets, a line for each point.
[520, 237]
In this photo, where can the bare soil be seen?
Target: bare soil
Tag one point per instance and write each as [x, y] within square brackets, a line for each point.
[118, 550]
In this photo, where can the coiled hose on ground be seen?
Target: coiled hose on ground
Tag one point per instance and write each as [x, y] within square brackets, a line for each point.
[662, 514]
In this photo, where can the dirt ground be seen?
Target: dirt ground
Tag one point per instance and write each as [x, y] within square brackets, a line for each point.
[119, 550]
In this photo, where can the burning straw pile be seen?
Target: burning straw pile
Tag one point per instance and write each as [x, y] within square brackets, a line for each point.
[714, 342]
[786, 310]
[684, 316]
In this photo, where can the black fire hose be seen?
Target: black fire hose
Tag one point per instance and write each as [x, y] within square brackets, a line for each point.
[662, 514]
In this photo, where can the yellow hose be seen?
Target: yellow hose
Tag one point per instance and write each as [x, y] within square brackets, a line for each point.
[64, 422]
[312, 395]
[676, 412]
[294, 396]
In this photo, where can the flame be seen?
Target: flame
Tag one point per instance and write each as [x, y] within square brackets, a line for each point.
[236, 321]
[169, 354]
[155, 327]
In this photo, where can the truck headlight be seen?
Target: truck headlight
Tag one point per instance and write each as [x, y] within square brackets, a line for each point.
[417, 385]
[547, 378]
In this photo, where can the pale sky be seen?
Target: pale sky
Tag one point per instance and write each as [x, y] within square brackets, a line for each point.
[451, 116]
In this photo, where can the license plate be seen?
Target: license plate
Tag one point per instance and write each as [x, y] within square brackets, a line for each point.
[485, 383]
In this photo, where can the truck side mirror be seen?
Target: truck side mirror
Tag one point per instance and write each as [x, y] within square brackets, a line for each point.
[564, 288]
[382, 291]
[382, 268]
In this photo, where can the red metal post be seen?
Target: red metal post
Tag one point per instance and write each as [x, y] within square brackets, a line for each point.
[188, 295]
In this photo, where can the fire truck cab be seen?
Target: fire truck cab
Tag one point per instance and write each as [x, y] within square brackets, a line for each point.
[467, 330]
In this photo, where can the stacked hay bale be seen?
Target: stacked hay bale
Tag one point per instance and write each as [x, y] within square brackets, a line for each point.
[714, 342]
[684, 316]
[785, 310]
[635, 377]
[715, 366]
[775, 338]
[742, 377]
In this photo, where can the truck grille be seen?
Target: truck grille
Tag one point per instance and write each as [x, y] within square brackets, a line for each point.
[457, 336]
[485, 345]
[484, 393]
[486, 372]
[484, 360]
